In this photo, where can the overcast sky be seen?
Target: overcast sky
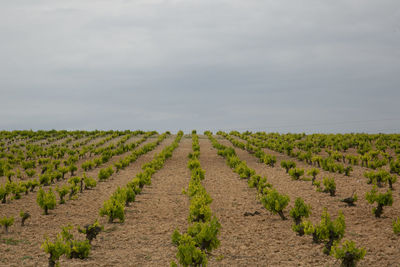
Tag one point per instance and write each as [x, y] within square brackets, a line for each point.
[289, 66]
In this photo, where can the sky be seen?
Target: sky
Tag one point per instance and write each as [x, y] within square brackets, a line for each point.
[259, 65]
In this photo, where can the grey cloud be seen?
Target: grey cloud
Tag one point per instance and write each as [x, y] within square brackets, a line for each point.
[200, 64]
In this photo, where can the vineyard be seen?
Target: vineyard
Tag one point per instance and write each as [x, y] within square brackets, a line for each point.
[137, 198]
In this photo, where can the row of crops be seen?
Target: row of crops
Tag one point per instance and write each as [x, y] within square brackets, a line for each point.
[59, 166]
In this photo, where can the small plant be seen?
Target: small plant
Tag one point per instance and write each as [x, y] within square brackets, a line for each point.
[381, 199]
[269, 160]
[77, 249]
[205, 234]
[330, 186]
[62, 192]
[105, 173]
[300, 210]
[91, 230]
[296, 173]
[7, 222]
[199, 209]
[313, 172]
[63, 171]
[327, 231]
[73, 191]
[56, 249]
[396, 226]
[46, 200]
[347, 170]
[87, 165]
[24, 216]
[244, 171]
[4, 192]
[45, 179]
[32, 184]
[378, 178]
[89, 182]
[193, 164]
[392, 179]
[287, 165]
[30, 172]
[72, 168]
[275, 202]
[9, 174]
[348, 253]
[188, 254]
[114, 210]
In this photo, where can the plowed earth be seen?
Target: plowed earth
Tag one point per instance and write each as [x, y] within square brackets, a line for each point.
[144, 239]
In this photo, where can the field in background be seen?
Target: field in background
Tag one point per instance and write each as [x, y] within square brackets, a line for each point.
[136, 185]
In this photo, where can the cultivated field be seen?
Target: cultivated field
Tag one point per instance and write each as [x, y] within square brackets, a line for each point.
[221, 199]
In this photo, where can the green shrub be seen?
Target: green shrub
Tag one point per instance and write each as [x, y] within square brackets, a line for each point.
[5, 190]
[296, 173]
[45, 179]
[392, 179]
[396, 226]
[30, 172]
[313, 172]
[233, 161]
[87, 165]
[9, 174]
[114, 210]
[6, 222]
[254, 180]
[63, 171]
[198, 174]
[330, 186]
[17, 189]
[199, 209]
[188, 254]
[269, 160]
[56, 249]
[348, 253]
[74, 249]
[381, 199]
[46, 200]
[176, 237]
[287, 165]
[89, 182]
[275, 202]
[32, 184]
[243, 170]
[347, 170]
[378, 178]
[193, 164]
[395, 166]
[73, 191]
[72, 168]
[205, 234]
[327, 231]
[62, 192]
[77, 249]
[105, 173]
[299, 211]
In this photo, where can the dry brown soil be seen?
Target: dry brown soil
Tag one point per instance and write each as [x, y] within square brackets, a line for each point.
[144, 239]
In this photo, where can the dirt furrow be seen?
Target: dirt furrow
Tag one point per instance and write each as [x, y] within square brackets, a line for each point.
[144, 239]
[259, 240]
[82, 211]
[376, 235]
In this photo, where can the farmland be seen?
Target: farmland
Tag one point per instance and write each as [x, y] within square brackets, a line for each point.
[225, 198]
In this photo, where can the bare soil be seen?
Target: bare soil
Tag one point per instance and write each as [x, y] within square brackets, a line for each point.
[144, 239]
